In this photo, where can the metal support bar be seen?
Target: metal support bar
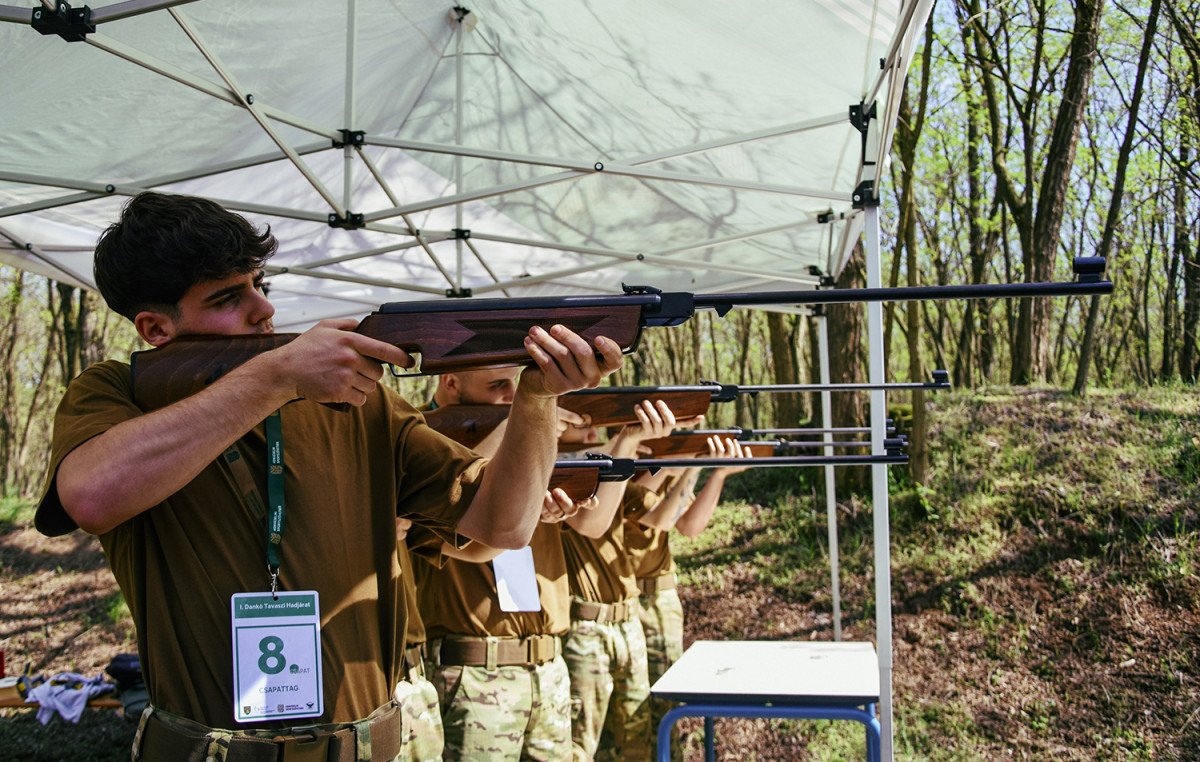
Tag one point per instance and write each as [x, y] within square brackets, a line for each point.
[246, 100]
[831, 524]
[348, 104]
[879, 486]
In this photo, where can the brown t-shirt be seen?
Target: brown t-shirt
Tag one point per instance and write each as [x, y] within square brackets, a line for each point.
[600, 569]
[414, 625]
[649, 549]
[459, 597]
[347, 475]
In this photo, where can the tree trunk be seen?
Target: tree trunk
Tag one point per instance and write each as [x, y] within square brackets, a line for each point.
[1114, 205]
[847, 361]
[9, 414]
[1060, 157]
[786, 370]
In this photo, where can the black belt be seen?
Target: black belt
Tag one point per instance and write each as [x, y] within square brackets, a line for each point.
[170, 740]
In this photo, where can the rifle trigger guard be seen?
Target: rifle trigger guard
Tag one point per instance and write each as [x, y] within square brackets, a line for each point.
[397, 374]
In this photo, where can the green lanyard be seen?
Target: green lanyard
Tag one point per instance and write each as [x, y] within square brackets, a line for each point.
[275, 507]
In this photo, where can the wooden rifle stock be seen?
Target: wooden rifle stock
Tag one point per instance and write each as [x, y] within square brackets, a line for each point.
[467, 424]
[445, 340]
[615, 407]
[579, 483]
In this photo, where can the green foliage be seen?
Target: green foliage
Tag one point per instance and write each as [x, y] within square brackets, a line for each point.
[15, 511]
[1050, 528]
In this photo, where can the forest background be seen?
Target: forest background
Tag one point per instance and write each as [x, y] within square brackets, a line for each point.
[1031, 132]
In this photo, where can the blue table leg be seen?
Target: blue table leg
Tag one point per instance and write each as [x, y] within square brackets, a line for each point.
[710, 740]
[777, 711]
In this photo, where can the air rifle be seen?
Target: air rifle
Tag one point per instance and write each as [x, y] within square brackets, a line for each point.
[580, 478]
[450, 335]
[684, 443]
[611, 406]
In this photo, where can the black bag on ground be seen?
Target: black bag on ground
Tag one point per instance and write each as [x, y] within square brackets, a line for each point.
[126, 670]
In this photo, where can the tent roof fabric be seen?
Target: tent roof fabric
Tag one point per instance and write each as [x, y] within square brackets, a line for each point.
[700, 146]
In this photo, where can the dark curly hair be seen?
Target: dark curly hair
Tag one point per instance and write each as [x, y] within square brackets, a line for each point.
[165, 244]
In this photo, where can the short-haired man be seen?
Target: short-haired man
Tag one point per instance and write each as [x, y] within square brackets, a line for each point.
[175, 494]
[496, 657]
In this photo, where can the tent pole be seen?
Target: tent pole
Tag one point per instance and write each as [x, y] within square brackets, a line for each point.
[830, 483]
[458, 141]
[348, 120]
[879, 487]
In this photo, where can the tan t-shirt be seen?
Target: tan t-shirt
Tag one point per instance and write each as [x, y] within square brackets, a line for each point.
[460, 598]
[649, 549]
[600, 569]
[414, 625]
[347, 474]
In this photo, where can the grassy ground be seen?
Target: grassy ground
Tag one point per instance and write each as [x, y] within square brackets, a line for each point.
[1045, 590]
[1045, 585]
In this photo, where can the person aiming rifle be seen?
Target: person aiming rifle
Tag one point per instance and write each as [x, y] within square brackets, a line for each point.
[647, 540]
[494, 619]
[262, 637]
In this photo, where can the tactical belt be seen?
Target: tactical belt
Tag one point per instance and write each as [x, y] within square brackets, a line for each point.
[530, 651]
[652, 585]
[164, 736]
[621, 611]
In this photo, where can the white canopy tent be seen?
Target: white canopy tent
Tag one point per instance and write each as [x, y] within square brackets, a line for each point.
[406, 149]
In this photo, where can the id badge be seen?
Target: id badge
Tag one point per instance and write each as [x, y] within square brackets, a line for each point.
[516, 580]
[276, 656]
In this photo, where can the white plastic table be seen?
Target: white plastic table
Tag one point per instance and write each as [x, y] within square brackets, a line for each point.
[771, 679]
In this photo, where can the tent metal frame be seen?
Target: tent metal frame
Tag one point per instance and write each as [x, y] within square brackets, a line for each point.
[264, 115]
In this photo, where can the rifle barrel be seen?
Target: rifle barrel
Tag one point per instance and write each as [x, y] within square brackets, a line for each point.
[724, 302]
[781, 461]
[931, 385]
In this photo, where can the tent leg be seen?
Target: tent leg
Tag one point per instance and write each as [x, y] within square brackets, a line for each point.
[460, 38]
[348, 118]
[879, 487]
[830, 483]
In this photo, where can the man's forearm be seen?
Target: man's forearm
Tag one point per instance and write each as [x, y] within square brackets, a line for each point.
[140, 462]
[697, 515]
[506, 509]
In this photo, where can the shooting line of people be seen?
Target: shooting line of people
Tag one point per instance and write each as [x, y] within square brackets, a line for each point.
[315, 572]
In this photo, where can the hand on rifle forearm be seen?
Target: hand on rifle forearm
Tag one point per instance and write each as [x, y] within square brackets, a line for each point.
[726, 447]
[558, 506]
[655, 420]
[568, 420]
[566, 363]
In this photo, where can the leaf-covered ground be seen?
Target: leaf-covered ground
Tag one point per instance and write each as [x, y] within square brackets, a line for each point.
[1046, 597]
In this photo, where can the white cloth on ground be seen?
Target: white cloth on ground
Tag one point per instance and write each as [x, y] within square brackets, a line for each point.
[67, 695]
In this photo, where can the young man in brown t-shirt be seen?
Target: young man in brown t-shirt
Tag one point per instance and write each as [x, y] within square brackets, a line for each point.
[182, 519]
[605, 648]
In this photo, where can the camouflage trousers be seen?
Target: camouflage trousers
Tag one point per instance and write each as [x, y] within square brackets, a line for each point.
[421, 719]
[511, 712]
[610, 690]
[662, 620]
